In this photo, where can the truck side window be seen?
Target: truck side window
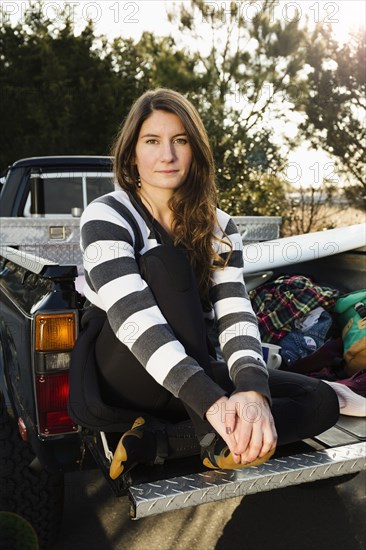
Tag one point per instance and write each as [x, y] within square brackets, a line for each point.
[61, 194]
[57, 194]
[98, 186]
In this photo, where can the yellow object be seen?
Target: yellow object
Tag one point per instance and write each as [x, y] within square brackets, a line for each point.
[120, 454]
[55, 331]
[225, 461]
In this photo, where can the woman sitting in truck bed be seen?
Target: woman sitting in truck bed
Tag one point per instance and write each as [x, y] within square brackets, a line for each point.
[159, 259]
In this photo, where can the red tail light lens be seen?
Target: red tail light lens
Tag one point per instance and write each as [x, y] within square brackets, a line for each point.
[52, 396]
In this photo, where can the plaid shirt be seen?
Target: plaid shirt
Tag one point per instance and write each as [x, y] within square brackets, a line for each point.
[279, 303]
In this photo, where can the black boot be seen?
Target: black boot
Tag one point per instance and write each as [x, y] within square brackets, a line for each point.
[152, 442]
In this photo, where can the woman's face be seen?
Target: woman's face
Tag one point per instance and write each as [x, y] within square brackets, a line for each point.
[163, 154]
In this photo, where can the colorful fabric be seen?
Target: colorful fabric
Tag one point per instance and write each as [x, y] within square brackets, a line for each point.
[351, 314]
[297, 344]
[280, 303]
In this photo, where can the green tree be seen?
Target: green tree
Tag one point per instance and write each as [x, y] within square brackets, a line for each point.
[62, 93]
[164, 64]
[67, 94]
[249, 63]
[336, 107]
[261, 195]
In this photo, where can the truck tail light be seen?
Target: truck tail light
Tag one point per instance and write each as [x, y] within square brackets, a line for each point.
[54, 339]
[55, 331]
[52, 396]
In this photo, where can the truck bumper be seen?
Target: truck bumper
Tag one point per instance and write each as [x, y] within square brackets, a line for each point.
[149, 499]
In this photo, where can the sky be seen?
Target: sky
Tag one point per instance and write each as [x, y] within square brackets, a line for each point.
[131, 18]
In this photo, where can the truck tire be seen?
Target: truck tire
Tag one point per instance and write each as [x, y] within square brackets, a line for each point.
[34, 495]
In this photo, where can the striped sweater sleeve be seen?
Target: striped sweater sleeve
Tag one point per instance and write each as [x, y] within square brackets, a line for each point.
[110, 236]
[239, 336]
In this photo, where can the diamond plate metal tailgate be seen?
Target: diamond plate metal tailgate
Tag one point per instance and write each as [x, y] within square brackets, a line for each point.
[150, 499]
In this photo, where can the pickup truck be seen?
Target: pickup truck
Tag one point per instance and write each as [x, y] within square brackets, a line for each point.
[41, 305]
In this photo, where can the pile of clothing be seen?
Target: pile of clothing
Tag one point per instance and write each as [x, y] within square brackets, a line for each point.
[313, 324]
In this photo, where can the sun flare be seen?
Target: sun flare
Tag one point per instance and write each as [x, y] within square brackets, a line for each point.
[346, 17]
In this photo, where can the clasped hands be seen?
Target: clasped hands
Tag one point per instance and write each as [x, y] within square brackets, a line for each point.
[244, 421]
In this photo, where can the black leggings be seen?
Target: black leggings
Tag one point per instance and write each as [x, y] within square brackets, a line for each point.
[301, 406]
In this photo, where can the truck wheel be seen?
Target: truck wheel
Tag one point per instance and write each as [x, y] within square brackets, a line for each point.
[33, 495]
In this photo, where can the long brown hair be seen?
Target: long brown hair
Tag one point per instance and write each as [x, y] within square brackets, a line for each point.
[194, 203]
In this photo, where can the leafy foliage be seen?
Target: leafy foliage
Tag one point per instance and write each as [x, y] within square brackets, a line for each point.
[246, 66]
[336, 107]
[261, 194]
[67, 94]
[62, 94]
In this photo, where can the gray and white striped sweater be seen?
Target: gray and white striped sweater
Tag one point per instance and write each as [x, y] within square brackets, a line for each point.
[113, 233]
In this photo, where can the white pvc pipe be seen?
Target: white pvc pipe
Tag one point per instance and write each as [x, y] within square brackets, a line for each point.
[301, 248]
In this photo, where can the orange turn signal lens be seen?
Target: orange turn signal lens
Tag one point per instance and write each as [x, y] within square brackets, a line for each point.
[56, 331]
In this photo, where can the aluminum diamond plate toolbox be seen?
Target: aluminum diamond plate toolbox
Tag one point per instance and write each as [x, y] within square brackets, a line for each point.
[150, 499]
[51, 238]
[39, 231]
[258, 228]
